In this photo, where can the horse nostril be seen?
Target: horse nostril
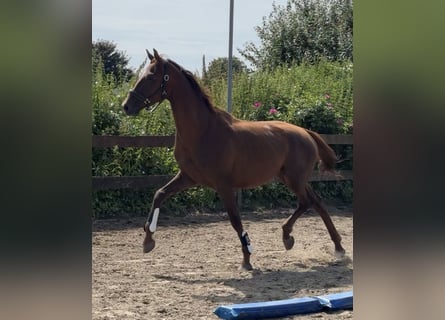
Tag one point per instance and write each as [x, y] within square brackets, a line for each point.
[126, 108]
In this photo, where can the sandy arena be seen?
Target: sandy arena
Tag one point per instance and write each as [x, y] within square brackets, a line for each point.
[195, 265]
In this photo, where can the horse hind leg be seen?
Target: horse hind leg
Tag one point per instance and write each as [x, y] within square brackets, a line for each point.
[295, 179]
[335, 236]
[303, 206]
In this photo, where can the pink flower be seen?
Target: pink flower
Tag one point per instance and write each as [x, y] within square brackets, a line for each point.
[329, 105]
[327, 96]
[273, 111]
[257, 104]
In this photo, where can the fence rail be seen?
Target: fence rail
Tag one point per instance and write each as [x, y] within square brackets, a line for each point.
[168, 141]
[126, 182]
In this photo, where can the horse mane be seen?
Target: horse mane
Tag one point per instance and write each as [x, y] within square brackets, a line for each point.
[196, 86]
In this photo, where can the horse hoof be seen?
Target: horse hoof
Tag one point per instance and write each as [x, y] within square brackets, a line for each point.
[289, 243]
[148, 246]
[246, 266]
[340, 254]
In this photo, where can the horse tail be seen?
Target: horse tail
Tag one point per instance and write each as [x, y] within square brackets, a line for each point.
[327, 155]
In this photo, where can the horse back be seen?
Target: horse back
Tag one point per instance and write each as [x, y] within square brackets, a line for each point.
[273, 136]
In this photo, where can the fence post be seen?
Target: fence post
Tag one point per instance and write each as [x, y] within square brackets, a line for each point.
[239, 195]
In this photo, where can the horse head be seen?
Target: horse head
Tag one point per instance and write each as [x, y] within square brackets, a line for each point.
[150, 88]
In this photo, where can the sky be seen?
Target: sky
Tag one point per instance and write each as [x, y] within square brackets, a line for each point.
[182, 30]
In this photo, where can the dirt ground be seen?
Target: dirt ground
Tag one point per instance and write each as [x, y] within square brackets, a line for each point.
[194, 267]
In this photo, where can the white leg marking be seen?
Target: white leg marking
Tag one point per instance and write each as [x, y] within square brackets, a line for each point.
[154, 221]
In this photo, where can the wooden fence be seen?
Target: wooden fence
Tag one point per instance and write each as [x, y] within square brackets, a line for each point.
[124, 182]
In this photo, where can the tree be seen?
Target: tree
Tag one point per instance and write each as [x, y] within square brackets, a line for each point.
[303, 30]
[218, 68]
[113, 61]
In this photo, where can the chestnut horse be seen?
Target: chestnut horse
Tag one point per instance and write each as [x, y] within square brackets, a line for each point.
[216, 150]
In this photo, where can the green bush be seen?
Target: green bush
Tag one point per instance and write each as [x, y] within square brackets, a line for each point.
[303, 31]
[290, 90]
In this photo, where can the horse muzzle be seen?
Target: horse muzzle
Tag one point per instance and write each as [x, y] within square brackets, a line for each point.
[130, 111]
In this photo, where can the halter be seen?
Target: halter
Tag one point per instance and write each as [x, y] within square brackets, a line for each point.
[146, 99]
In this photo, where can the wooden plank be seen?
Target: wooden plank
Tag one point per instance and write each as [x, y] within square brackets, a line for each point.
[338, 138]
[129, 182]
[135, 182]
[132, 141]
[340, 175]
[168, 141]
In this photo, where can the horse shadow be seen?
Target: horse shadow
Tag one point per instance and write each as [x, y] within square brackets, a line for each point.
[268, 285]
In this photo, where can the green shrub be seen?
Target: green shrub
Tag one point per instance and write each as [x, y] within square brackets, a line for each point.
[303, 31]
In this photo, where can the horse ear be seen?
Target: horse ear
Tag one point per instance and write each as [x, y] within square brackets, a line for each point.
[150, 56]
[156, 54]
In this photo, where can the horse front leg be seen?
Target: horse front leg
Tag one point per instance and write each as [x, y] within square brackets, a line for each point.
[229, 199]
[180, 182]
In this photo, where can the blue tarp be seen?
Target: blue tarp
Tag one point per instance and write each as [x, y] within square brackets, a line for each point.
[282, 308]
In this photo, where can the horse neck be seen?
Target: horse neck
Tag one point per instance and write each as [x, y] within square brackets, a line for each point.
[190, 113]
